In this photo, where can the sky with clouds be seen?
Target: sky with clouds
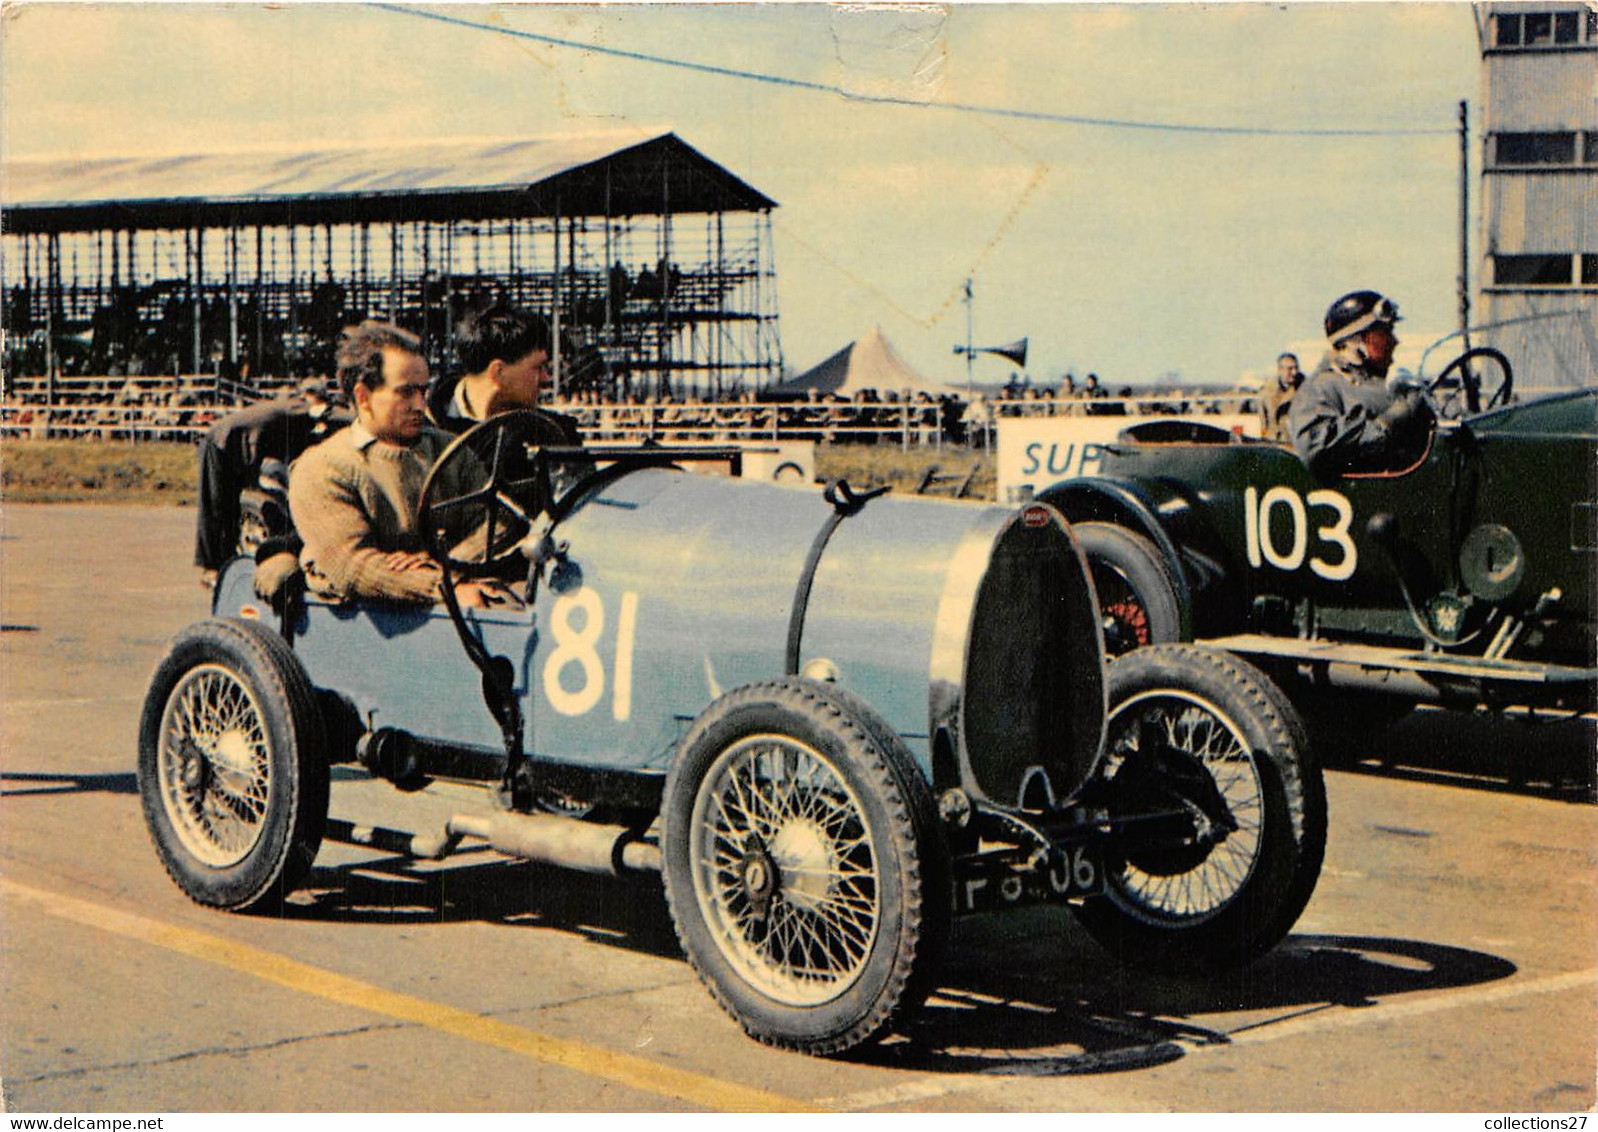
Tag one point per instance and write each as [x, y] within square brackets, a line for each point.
[1133, 252]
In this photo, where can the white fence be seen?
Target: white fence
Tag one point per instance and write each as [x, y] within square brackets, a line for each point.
[908, 424]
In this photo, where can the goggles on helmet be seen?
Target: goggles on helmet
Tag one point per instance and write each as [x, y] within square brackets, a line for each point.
[1384, 313]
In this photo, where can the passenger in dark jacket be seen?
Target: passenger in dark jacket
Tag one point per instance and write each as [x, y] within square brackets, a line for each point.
[231, 455]
[505, 352]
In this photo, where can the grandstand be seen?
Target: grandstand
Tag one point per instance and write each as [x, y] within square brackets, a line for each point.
[227, 275]
[144, 296]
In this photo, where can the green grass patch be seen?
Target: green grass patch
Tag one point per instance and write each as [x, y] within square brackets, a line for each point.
[98, 471]
[865, 465]
[102, 471]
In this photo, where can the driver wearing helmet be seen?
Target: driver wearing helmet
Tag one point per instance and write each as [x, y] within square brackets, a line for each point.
[1348, 417]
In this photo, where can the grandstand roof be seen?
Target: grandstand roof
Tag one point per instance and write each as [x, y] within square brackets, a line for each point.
[605, 174]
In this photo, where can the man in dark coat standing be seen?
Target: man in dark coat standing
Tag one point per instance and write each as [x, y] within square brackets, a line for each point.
[231, 455]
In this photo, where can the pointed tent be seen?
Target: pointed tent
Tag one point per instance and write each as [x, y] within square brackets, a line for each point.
[870, 362]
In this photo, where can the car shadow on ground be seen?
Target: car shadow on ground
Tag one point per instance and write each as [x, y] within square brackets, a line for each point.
[1542, 756]
[1037, 997]
[19, 784]
[476, 884]
[1026, 992]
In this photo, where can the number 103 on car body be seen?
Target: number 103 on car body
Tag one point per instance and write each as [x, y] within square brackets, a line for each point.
[1335, 557]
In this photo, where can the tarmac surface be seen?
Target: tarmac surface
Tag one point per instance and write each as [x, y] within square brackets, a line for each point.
[1448, 961]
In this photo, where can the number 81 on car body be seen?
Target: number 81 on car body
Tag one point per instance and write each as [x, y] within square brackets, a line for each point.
[576, 651]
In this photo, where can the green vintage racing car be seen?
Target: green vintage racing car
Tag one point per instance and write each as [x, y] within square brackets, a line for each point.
[1464, 579]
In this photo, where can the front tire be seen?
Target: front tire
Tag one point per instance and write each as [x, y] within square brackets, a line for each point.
[232, 771]
[803, 867]
[1137, 598]
[1211, 731]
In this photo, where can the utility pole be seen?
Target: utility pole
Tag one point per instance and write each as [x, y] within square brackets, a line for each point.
[1464, 223]
[970, 342]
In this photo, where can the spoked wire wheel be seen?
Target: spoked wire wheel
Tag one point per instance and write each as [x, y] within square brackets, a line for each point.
[1222, 812]
[1193, 738]
[1126, 618]
[233, 771]
[214, 764]
[784, 870]
[1137, 598]
[804, 866]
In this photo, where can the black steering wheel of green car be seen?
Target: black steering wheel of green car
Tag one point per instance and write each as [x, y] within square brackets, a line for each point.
[1462, 391]
[499, 483]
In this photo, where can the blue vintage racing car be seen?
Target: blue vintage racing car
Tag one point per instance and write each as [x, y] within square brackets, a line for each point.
[831, 719]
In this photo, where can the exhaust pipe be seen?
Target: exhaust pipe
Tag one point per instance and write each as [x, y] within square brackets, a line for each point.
[430, 847]
[567, 842]
[1360, 678]
[613, 850]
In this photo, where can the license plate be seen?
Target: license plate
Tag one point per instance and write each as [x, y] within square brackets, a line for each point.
[1072, 872]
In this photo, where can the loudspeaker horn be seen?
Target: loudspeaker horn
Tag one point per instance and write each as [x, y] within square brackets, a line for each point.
[1015, 351]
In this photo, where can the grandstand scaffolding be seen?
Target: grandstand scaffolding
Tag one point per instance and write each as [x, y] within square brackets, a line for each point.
[653, 262]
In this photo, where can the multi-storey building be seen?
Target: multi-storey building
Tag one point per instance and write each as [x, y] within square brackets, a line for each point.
[1539, 271]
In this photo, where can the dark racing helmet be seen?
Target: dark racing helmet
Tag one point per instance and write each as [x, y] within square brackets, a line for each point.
[1356, 313]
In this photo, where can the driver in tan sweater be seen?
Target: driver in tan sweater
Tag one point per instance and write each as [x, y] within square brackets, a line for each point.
[354, 496]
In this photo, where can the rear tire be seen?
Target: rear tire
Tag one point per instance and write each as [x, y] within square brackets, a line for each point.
[803, 868]
[1203, 726]
[232, 771]
[1137, 597]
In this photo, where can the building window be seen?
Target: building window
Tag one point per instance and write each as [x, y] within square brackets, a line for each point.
[1589, 270]
[1532, 270]
[1537, 149]
[1589, 154]
[1546, 29]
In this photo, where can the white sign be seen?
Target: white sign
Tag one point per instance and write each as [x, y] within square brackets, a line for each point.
[782, 461]
[1038, 452]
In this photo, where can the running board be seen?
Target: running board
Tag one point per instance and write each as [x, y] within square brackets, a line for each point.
[1401, 660]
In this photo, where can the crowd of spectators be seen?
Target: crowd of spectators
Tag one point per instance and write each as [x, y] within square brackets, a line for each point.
[114, 408]
[867, 417]
[872, 416]
[182, 408]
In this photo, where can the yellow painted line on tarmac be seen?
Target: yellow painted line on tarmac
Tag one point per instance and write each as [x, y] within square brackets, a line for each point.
[592, 1061]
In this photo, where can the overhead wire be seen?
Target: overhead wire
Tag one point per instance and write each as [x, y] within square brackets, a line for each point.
[975, 109]
[915, 103]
